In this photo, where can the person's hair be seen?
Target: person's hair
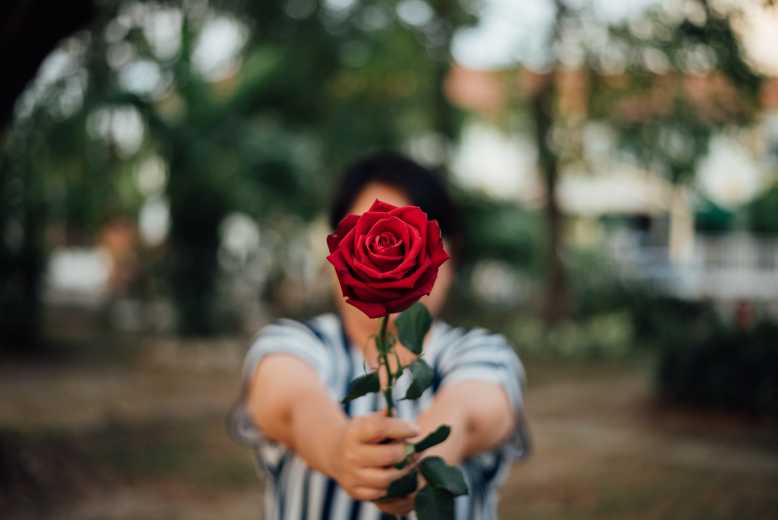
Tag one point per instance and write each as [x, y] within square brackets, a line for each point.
[424, 187]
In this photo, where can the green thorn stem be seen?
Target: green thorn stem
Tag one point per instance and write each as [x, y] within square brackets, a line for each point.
[382, 344]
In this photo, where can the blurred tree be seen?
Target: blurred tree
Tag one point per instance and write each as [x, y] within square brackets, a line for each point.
[665, 80]
[310, 85]
[710, 218]
[543, 102]
[228, 145]
[328, 75]
[688, 80]
[22, 251]
[762, 212]
[499, 230]
[450, 16]
[26, 38]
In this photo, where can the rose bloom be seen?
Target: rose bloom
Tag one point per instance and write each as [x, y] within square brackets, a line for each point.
[387, 258]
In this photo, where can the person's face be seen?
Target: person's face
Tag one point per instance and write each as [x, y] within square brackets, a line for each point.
[392, 195]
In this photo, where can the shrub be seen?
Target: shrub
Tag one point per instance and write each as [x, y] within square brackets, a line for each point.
[604, 336]
[728, 369]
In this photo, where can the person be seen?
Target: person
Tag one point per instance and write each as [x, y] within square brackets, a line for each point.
[327, 460]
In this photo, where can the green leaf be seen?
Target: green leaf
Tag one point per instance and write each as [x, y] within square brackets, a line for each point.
[362, 385]
[400, 368]
[403, 486]
[412, 325]
[410, 449]
[422, 379]
[441, 475]
[434, 504]
[384, 345]
[433, 439]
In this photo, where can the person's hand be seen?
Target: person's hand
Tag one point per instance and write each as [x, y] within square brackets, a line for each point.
[367, 449]
[402, 506]
[397, 506]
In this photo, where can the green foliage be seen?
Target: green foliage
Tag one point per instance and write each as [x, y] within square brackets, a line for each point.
[660, 320]
[409, 451]
[726, 368]
[499, 230]
[362, 385]
[412, 326]
[662, 118]
[606, 336]
[762, 212]
[433, 439]
[422, 378]
[712, 219]
[434, 504]
[443, 476]
[403, 486]
[436, 500]
[312, 89]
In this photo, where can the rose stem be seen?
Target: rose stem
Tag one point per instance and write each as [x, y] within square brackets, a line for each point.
[383, 349]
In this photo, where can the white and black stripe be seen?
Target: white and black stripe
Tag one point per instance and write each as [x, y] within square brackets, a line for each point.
[296, 492]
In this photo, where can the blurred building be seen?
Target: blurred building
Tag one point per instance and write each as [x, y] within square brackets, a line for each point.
[657, 240]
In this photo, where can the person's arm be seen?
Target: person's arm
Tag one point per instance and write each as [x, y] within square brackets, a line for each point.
[480, 397]
[479, 413]
[291, 405]
[481, 418]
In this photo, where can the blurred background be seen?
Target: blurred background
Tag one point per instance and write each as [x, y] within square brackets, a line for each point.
[164, 170]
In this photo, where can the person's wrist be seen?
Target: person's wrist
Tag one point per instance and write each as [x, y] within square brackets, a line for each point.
[332, 457]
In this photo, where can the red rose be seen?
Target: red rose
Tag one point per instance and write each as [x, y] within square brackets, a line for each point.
[387, 258]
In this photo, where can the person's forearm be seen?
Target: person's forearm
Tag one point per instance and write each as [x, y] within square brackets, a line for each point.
[316, 415]
[454, 449]
[480, 416]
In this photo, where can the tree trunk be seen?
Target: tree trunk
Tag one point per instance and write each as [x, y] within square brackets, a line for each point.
[197, 208]
[443, 111]
[443, 116]
[29, 31]
[556, 298]
[22, 265]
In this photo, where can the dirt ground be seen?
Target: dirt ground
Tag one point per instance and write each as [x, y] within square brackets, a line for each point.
[144, 438]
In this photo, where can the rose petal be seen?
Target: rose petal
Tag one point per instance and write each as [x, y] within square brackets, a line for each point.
[366, 290]
[406, 301]
[408, 281]
[410, 257]
[369, 294]
[347, 247]
[437, 252]
[413, 216]
[387, 258]
[373, 310]
[344, 226]
[384, 262]
[341, 269]
[372, 274]
[398, 229]
[379, 205]
[395, 249]
[361, 253]
[391, 225]
[367, 220]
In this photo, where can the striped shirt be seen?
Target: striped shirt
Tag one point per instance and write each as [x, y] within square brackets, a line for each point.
[296, 492]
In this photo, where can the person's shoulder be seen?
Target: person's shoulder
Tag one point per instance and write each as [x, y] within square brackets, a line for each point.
[314, 341]
[450, 338]
[322, 329]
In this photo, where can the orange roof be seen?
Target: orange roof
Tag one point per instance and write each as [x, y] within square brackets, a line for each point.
[486, 92]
